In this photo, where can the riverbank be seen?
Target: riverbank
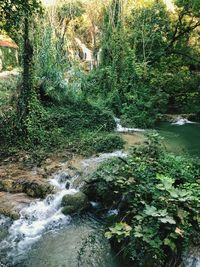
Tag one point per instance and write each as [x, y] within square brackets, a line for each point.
[46, 215]
[27, 181]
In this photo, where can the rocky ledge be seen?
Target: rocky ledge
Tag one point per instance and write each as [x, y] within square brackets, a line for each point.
[13, 179]
[11, 204]
[20, 184]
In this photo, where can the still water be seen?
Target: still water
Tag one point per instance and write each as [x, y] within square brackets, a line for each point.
[181, 139]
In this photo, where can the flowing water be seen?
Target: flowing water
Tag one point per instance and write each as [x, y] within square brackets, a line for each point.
[44, 237]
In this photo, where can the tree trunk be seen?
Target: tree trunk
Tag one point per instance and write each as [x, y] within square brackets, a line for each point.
[27, 86]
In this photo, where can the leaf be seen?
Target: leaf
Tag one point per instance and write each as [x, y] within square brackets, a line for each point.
[127, 227]
[179, 231]
[108, 235]
[170, 244]
[150, 210]
[174, 193]
[182, 215]
[167, 219]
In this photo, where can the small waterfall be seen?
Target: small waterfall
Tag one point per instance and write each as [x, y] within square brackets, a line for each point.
[181, 121]
[40, 216]
[45, 215]
[121, 129]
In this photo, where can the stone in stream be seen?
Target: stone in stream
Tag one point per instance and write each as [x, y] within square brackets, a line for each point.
[67, 185]
[11, 204]
[74, 203]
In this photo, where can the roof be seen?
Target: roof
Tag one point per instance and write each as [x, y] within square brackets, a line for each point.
[6, 41]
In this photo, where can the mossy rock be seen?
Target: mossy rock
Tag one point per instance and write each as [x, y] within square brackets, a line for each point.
[9, 213]
[40, 190]
[31, 188]
[74, 203]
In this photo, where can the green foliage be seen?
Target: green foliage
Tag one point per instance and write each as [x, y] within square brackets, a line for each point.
[8, 92]
[108, 143]
[12, 17]
[76, 126]
[50, 65]
[119, 230]
[147, 63]
[157, 195]
[148, 31]
[92, 142]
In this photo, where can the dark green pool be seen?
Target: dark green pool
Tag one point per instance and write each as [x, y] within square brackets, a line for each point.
[181, 139]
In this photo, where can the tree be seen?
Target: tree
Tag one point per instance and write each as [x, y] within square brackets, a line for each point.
[13, 13]
[187, 20]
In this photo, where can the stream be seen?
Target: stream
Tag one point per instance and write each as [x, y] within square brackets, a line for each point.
[44, 237]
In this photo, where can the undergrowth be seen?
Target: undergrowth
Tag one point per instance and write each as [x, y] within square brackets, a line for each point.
[157, 197]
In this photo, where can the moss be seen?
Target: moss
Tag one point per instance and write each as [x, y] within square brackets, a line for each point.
[74, 203]
[12, 214]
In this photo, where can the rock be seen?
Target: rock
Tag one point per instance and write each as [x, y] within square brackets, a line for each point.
[5, 223]
[67, 185]
[74, 203]
[11, 204]
[16, 180]
[38, 189]
[69, 210]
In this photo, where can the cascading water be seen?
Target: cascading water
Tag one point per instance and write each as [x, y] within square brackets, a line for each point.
[39, 217]
[121, 129]
[44, 215]
[181, 121]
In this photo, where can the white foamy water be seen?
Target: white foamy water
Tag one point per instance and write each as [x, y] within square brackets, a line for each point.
[45, 215]
[121, 129]
[193, 261]
[182, 121]
[36, 219]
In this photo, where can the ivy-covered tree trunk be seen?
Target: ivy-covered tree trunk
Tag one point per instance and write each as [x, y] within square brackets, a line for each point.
[27, 85]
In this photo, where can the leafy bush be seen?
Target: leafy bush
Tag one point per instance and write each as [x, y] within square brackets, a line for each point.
[8, 91]
[77, 126]
[90, 142]
[79, 115]
[157, 196]
[108, 143]
[134, 117]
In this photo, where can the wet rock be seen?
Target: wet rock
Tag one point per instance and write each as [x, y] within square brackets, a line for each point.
[67, 185]
[5, 222]
[33, 188]
[52, 168]
[38, 189]
[74, 203]
[64, 176]
[192, 257]
[11, 204]
[16, 180]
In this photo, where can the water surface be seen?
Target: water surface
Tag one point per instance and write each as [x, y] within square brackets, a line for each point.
[181, 139]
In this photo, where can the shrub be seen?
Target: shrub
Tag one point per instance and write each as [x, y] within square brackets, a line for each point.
[157, 196]
[56, 126]
[108, 143]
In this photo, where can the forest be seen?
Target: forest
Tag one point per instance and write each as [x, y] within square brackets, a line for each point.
[99, 133]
